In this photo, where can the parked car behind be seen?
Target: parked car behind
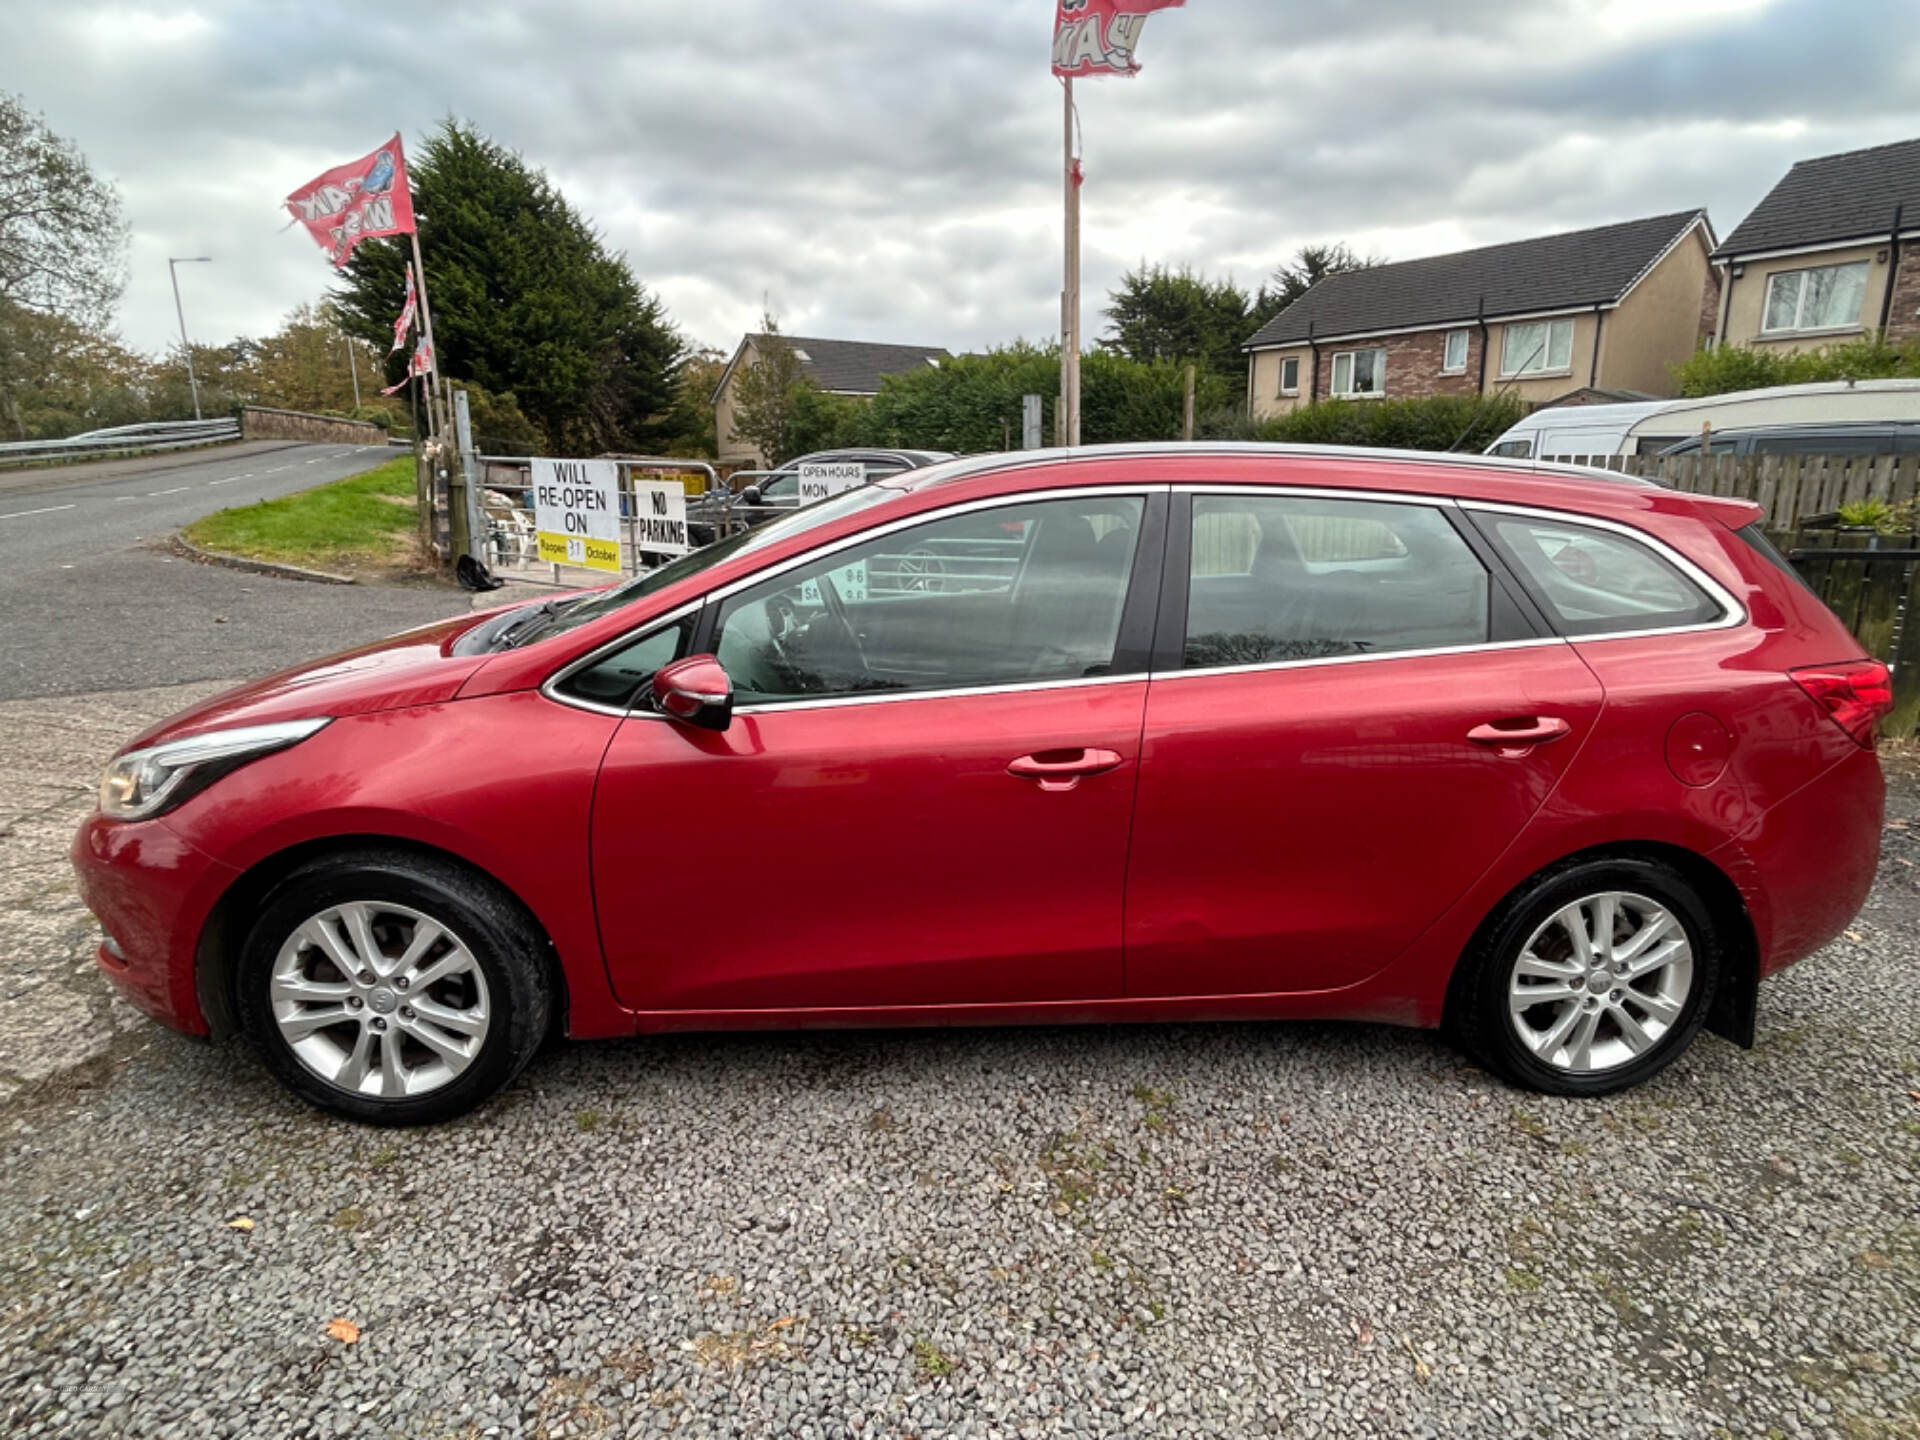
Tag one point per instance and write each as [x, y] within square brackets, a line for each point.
[1582, 434]
[769, 498]
[1896, 438]
[1565, 763]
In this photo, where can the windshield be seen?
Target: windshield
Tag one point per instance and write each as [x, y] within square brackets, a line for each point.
[592, 607]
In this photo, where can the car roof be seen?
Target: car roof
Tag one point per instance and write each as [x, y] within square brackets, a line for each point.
[1492, 465]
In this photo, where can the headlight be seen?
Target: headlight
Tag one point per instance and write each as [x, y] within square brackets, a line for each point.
[144, 783]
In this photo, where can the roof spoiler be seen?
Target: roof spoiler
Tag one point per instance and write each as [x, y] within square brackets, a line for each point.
[1729, 510]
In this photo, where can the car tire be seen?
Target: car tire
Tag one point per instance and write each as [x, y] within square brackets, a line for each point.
[1547, 1013]
[449, 1001]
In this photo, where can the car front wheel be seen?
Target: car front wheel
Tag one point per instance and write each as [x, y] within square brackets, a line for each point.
[393, 988]
[1594, 977]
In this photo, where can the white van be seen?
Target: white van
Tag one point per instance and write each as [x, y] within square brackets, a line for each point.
[1591, 433]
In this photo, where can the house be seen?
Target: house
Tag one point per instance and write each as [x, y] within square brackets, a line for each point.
[840, 367]
[1610, 308]
[1828, 254]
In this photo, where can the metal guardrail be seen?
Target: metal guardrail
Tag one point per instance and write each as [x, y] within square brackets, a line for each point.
[123, 440]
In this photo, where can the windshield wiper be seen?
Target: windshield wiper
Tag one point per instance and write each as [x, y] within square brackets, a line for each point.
[522, 627]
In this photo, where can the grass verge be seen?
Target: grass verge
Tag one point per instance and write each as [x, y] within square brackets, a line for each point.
[367, 522]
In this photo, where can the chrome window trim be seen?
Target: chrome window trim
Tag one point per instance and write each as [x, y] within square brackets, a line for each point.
[1277, 489]
[958, 692]
[550, 687]
[1024, 497]
[1318, 660]
[1733, 613]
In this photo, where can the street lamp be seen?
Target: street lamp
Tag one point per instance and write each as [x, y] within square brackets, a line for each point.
[192, 384]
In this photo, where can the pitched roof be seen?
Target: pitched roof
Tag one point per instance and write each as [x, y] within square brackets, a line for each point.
[1522, 277]
[1851, 196]
[854, 367]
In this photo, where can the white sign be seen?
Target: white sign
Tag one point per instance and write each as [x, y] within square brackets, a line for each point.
[576, 512]
[660, 516]
[820, 479]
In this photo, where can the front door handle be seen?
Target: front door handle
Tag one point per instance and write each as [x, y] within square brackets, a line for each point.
[1063, 769]
[1511, 739]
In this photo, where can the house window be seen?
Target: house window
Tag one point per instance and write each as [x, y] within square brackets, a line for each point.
[1830, 297]
[1360, 373]
[1537, 348]
[1455, 362]
[1290, 375]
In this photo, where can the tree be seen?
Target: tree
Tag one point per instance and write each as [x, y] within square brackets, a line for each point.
[1310, 265]
[526, 297]
[1160, 313]
[63, 243]
[765, 393]
[689, 427]
[304, 365]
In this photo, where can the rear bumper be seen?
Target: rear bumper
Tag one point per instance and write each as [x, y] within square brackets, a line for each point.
[151, 892]
[1804, 868]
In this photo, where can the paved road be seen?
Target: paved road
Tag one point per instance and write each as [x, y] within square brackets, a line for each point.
[55, 517]
[90, 603]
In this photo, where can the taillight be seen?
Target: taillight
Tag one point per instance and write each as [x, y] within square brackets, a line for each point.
[1858, 694]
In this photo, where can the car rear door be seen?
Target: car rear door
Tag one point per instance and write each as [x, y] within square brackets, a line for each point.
[1353, 712]
[924, 796]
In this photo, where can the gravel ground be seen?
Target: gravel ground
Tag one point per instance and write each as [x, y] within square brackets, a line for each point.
[1294, 1230]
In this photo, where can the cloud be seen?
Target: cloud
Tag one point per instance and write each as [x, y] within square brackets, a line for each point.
[890, 169]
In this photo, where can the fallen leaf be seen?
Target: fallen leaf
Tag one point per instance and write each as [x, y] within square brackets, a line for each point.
[343, 1330]
[1855, 936]
[240, 1222]
[1914, 1095]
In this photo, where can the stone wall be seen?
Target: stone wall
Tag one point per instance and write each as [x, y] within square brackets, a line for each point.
[261, 422]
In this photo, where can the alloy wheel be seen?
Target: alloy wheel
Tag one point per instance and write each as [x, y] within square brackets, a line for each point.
[379, 1000]
[1601, 982]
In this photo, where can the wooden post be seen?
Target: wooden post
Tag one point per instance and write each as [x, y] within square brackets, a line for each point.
[1186, 425]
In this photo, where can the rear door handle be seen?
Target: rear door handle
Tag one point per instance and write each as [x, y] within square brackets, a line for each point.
[1511, 739]
[1063, 769]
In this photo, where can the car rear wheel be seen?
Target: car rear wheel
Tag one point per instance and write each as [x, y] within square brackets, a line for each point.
[1595, 976]
[393, 988]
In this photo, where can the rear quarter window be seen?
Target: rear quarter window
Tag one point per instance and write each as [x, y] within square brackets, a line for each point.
[1599, 582]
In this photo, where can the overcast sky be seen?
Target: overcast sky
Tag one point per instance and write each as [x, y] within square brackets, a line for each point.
[890, 169]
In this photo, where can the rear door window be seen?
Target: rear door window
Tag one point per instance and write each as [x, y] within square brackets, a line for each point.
[1597, 582]
[1278, 578]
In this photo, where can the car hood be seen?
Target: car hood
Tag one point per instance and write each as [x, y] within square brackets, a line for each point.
[415, 667]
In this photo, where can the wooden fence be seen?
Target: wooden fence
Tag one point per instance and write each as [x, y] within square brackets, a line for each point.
[1792, 488]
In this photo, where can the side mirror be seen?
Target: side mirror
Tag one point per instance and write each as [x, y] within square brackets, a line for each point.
[750, 495]
[695, 691]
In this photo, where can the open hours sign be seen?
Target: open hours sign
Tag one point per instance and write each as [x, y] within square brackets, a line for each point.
[576, 512]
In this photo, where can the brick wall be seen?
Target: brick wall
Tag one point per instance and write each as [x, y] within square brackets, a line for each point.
[1903, 323]
[1413, 365]
[261, 422]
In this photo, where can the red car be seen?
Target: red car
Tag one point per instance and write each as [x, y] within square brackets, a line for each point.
[1563, 763]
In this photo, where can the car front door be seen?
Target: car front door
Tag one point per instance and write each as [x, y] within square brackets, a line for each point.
[923, 798]
[1351, 717]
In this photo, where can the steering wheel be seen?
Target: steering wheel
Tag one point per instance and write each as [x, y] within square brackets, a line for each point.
[836, 609]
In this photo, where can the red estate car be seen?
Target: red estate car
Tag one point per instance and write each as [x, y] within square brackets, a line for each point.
[1564, 763]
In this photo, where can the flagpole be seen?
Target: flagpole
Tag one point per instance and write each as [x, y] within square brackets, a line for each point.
[1070, 336]
[435, 418]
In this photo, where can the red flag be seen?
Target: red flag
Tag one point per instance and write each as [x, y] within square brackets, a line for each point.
[1098, 37]
[405, 322]
[420, 363]
[357, 201]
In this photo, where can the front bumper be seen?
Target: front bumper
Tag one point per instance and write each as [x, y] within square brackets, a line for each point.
[151, 892]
